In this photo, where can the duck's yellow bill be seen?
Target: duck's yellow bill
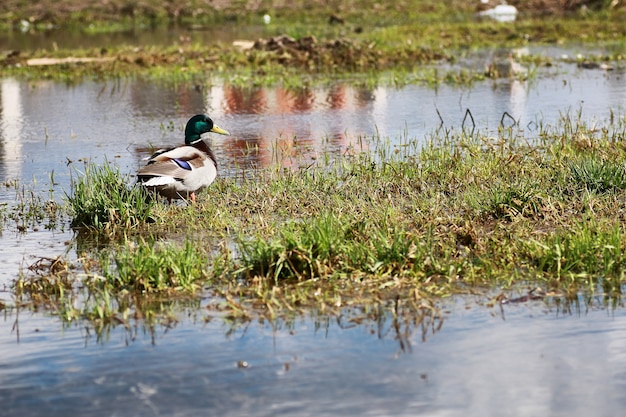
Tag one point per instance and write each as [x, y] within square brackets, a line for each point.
[217, 129]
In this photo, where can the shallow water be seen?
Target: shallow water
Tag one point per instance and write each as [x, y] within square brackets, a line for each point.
[28, 39]
[530, 359]
[533, 361]
[44, 126]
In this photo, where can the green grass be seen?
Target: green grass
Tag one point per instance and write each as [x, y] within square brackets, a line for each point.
[104, 199]
[412, 220]
[588, 252]
[150, 266]
[597, 175]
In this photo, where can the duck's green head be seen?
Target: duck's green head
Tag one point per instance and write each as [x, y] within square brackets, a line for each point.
[199, 124]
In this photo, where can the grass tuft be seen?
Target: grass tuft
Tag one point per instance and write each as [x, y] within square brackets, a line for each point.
[597, 175]
[103, 199]
[150, 266]
[586, 249]
[303, 250]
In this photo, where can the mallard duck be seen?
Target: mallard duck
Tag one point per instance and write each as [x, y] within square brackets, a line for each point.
[179, 172]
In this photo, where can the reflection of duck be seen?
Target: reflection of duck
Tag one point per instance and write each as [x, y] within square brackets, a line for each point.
[177, 173]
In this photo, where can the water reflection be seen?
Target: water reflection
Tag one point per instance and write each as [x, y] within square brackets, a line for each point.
[136, 319]
[150, 100]
[513, 97]
[119, 119]
[11, 121]
[291, 123]
[536, 362]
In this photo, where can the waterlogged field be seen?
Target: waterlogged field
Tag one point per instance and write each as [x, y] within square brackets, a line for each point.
[413, 220]
[306, 155]
[387, 238]
[316, 256]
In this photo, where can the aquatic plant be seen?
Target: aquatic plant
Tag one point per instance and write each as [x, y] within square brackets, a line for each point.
[99, 308]
[30, 210]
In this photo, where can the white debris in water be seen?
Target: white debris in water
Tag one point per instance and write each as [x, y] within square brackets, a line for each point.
[501, 13]
[24, 25]
[267, 19]
[245, 45]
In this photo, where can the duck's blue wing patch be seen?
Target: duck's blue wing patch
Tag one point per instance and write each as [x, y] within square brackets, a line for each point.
[182, 164]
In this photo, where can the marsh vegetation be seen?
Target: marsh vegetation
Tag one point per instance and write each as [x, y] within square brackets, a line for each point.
[399, 223]
[384, 221]
[398, 173]
[301, 44]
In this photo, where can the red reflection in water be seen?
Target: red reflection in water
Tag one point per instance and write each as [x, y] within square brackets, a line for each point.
[242, 101]
[291, 127]
[281, 139]
[337, 97]
[304, 100]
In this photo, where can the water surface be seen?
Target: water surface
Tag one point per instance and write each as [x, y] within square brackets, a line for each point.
[52, 38]
[528, 359]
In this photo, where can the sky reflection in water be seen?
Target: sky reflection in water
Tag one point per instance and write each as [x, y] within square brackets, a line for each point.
[46, 125]
[533, 361]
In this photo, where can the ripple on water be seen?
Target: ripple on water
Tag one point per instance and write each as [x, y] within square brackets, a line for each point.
[532, 362]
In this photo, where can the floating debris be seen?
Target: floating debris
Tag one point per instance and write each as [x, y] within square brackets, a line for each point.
[245, 45]
[532, 295]
[69, 60]
[501, 13]
[595, 65]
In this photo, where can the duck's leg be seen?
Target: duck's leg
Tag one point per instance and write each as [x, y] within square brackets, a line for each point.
[192, 196]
